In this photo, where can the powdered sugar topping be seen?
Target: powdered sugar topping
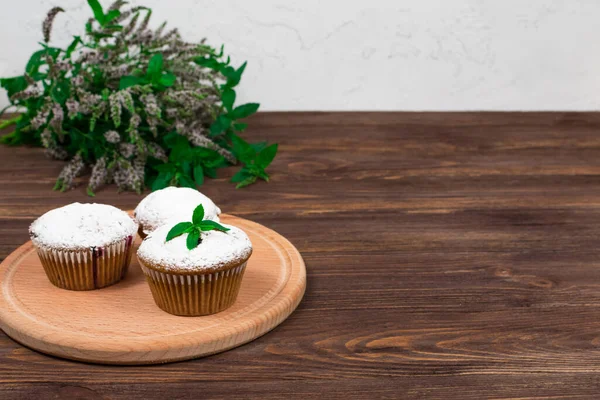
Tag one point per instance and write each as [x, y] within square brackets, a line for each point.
[216, 249]
[173, 204]
[78, 226]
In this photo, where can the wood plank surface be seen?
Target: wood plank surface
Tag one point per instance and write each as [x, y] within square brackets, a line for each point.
[448, 255]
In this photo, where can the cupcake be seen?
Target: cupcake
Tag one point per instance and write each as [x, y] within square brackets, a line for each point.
[171, 203]
[84, 246]
[200, 281]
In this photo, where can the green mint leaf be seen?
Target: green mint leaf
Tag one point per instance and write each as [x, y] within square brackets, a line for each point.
[186, 167]
[228, 72]
[228, 98]
[243, 151]
[241, 175]
[198, 215]
[199, 175]
[168, 79]
[13, 85]
[210, 172]
[60, 92]
[241, 126]
[111, 15]
[178, 230]
[165, 168]
[263, 175]
[248, 181]
[266, 156]
[155, 67]
[129, 81]
[90, 192]
[173, 140]
[221, 124]
[244, 111]
[258, 146]
[162, 180]
[212, 226]
[193, 239]
[181, 151]
[38, 59]
[185, 181]
[234, 75]
[208, 62]
[76, 41]
[98, 12]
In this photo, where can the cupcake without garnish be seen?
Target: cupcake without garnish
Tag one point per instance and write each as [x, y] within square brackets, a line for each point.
[171, 203]
[84, 246]
[195, 267]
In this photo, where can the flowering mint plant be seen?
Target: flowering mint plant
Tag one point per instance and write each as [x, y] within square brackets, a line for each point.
[133, 105]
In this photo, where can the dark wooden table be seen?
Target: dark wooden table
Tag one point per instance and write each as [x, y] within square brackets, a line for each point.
[448, 256]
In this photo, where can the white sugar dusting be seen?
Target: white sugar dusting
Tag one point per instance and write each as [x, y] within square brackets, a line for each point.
[170, 204]
[78, 226]
[216, 249]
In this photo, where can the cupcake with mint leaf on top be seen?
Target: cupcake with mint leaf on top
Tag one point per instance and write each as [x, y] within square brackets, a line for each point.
[195, 267]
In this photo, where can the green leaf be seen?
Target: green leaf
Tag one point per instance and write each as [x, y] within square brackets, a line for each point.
[210, 172]
[155, 67]
[90, 192]
[234, 76]
[244, 111]
[167, 79]
[58, 185]
[266, 156]
[165, 168]
[258, 146]
[248, 181]
[76, 40]
[186, 167]
[241, 175]
[5, 123]
[13, 85]
[240, 126]
[162, 180]
[242, 149]
[212, 225]
[199, 175]
[186, 181]
[38, 59]
[60, 92]
[178, 230]
[174, 139]
[182, 152]
[228, 98]
[263, 175]
[111, 15]
[129, 81]
[208, 62]
[198, 214]
[227, 71]
[221, 124]
[97, 9]
[193, 239]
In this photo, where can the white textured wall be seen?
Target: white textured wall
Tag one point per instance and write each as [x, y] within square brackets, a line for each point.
[374, 54]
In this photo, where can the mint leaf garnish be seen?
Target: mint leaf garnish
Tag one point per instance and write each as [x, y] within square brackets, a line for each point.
[194, 228]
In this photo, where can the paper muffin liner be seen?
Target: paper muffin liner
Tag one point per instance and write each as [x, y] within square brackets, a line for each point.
[87, 269]
[195, 294]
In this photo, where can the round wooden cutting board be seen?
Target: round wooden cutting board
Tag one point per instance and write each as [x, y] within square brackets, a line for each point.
[121, 324]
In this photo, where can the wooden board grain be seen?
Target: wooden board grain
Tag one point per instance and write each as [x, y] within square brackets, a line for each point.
[449, 256]
[121, 324]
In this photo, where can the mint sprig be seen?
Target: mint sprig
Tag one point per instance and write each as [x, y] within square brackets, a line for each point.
[256, 157]
[194, 228]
